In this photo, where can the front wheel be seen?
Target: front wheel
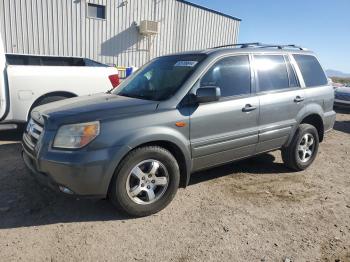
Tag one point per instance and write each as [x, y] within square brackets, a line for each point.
[303, 149]
[145, 182]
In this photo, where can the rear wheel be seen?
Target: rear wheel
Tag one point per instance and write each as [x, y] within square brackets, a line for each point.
[145, 182]
[49, 99]
[303, 149]
[46, 100]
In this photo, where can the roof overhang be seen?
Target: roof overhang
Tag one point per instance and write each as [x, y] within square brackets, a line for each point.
[209, 10]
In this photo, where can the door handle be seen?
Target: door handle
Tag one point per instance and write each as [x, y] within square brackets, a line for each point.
[248, 108]
[298, 99]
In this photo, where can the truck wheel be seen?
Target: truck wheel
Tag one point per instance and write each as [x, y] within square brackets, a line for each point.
[303, 149]
[46, 100]
[145, 182]
[50, 99]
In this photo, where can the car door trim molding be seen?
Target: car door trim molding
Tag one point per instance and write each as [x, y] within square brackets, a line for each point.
[230, 136]
[275, 133]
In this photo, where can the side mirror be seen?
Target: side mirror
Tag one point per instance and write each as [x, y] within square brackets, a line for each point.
[208, 94]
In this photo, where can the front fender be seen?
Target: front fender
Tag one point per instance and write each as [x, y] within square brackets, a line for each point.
[164, 134]
[136, 138]
[150, 134]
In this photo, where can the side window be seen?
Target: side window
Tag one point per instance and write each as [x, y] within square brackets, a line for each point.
[311, 70]
[231, 74]
[272, 72]
[96, 11]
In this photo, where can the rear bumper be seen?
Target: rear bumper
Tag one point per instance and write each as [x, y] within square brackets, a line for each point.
[10, 124]
[329, 120]
[4, 126]
[341, 103]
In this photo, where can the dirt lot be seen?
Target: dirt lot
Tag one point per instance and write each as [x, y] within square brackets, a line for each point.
[253, 210]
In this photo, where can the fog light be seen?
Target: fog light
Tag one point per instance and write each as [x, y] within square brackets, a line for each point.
[66, 190]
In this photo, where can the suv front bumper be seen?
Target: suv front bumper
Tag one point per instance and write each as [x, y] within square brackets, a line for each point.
[40, 177]
[85, 174]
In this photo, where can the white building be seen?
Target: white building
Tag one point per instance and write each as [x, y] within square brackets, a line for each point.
[108, 30]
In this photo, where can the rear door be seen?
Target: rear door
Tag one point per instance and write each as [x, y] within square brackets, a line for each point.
[281, 99]
[227, 129]
[3, 90]
[317, 89]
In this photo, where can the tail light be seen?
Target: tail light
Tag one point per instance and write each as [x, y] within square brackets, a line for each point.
[114, 80]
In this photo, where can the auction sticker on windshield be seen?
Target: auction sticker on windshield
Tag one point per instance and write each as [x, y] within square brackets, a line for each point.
[186, 63]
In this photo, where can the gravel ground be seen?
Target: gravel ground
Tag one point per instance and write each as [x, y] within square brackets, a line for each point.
[252, 210]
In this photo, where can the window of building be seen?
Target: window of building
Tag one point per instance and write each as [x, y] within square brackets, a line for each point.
[311, 70]
[272, 72]
[96, 11]
[231, 74]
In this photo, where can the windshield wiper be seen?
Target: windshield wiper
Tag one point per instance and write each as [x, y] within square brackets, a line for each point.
[110, 91]
[133, 96]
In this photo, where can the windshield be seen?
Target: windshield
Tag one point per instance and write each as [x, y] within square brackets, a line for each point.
[161, 78]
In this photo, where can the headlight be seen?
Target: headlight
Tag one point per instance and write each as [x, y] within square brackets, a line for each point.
[77, 135]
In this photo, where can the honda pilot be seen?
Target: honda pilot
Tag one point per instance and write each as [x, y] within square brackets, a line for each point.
[178, 114]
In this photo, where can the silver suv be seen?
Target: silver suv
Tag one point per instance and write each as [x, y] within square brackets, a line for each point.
[179, 114]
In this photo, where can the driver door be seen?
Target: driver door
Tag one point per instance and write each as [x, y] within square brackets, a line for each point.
[225, 130]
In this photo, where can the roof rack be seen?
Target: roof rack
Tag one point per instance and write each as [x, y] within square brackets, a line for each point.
[259, 45]
[243, 45]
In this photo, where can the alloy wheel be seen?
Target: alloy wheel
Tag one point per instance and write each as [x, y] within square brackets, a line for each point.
[306, 147]
[147, 182]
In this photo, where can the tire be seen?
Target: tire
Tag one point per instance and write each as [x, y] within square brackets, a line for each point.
[126, 182]
[46, 100]
[293, 156]
[50, 99]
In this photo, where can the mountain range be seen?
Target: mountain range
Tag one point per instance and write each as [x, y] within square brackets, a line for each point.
[335, 73]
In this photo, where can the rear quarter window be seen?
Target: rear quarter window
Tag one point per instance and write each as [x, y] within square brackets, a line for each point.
[311, 70]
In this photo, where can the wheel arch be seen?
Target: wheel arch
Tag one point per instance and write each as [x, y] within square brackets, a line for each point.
[183, 159]
[42, 97]
[315, 120]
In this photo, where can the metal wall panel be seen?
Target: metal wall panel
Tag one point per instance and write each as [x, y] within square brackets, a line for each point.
[62, 28]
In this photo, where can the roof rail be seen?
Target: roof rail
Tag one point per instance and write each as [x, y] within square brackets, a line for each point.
[243, 45]
[259, 45]
[282, 46]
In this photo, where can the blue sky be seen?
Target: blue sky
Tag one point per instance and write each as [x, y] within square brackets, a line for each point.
[320, 25]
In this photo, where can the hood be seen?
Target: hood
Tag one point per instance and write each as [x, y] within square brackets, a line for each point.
[343, 89]
[91, 108]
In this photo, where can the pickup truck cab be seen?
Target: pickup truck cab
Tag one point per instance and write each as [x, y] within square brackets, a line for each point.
[179, 114]
[27, 81]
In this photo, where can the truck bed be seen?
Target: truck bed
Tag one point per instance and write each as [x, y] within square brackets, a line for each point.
[36, 60]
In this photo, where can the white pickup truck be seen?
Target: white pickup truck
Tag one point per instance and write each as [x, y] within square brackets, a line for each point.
[27, 81]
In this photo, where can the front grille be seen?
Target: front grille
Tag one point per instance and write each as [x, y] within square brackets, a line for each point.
[32, 135]
[342, 96]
